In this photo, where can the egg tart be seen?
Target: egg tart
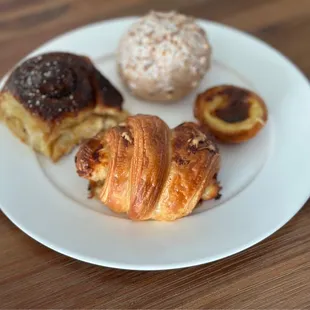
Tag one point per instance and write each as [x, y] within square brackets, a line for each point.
[232, 114]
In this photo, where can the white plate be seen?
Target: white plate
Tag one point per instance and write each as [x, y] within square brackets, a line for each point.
[259, 178]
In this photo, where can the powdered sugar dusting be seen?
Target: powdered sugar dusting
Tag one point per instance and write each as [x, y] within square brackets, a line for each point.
[163, 54]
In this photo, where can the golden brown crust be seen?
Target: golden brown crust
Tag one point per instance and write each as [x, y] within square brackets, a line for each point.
[88, 156]
[56, 100]
[153, 172]
[115, 192]
[150, 162]
[232, 114]
[195, 162]
[212, 191]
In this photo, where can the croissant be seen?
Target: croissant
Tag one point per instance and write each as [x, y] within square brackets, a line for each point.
[145, 169]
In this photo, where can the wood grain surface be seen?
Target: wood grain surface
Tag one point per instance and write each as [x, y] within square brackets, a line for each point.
[273, 274]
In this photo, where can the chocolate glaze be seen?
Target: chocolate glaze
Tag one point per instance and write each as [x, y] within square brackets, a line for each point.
[55, 84]
[237, 108]
[111, 96]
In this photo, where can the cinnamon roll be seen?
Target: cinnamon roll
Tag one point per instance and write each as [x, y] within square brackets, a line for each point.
[54, 101]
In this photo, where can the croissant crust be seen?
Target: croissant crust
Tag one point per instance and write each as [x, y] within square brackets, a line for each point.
[147, 170]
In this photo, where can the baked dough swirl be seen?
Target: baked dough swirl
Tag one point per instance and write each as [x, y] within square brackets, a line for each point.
[58, 94]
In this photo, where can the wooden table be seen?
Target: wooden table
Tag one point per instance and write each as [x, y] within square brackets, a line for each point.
[272, 274]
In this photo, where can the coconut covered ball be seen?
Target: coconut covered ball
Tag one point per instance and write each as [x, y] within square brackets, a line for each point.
[163, 56]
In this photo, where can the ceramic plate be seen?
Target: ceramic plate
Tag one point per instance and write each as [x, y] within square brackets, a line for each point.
[265, 181]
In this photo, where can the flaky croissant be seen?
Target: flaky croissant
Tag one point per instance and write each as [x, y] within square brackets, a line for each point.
[147, 170]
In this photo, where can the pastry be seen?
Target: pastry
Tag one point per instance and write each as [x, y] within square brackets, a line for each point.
[55, 100]
[163, 56]
[145, 169]
[232, 114]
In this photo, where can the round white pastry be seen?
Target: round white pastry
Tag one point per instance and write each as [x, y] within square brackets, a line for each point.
[163, 56]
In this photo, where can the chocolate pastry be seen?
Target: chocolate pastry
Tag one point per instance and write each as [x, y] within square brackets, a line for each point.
[54, 101]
